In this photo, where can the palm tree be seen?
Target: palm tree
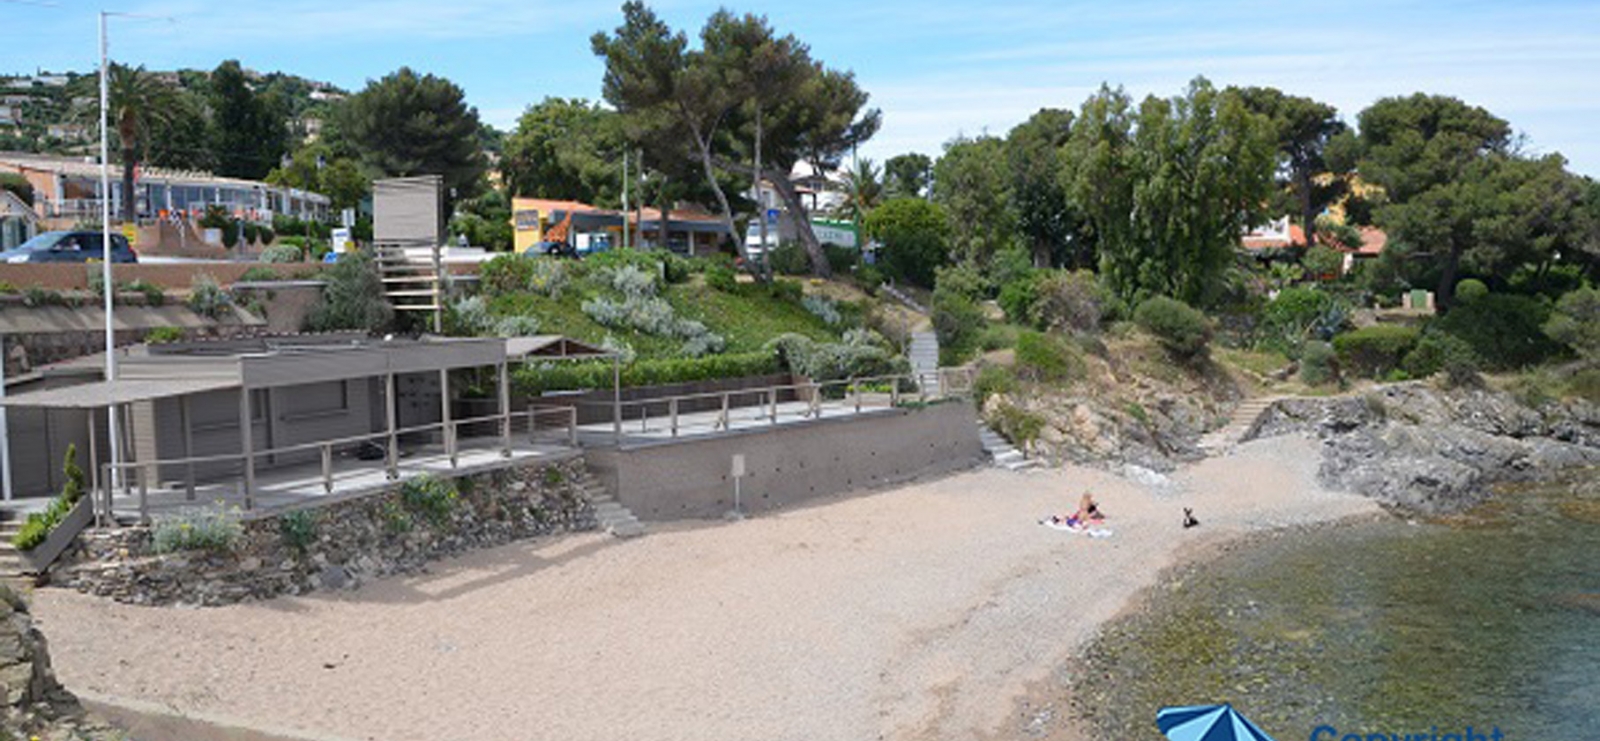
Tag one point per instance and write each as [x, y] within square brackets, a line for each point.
[863, 191]
[140, 103]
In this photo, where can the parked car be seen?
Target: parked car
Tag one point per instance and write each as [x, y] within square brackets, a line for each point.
[73, 246]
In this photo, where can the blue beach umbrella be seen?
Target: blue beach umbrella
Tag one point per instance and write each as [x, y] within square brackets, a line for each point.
[1208, 723]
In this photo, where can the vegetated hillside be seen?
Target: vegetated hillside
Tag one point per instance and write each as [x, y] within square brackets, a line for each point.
[1117, 398]
[673, 319]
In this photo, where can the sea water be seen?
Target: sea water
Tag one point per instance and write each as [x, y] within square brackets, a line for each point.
[1488, 621]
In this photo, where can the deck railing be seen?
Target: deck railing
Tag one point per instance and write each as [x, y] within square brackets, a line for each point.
[139, 476]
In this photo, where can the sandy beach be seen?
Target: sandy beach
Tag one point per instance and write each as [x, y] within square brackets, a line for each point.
[920, 612]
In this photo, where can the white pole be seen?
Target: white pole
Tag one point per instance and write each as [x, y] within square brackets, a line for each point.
[5, 430]
[624, 199]
[105, 261]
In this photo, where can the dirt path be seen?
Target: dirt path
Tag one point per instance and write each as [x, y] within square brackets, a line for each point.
[922, 612]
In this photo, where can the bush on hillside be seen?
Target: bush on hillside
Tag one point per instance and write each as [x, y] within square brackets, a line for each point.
[163, 335]
[963, 280]
[1298, 315]
[1018, 297]
[1434, 351]
[352, 297]
[722, 278]
[914, 233]
[1506, 331]
[869, 278]
[1179, 327]
[580, 376]
[834, 361]
[282, 253]
[790, 258]
[1576, 323]
[1470, 290]
[1069, 300]
[841, 259]
[958, 322]
[992, 380]
[1045, 358]
[207, 299]
[1319, 364]
[1373, 352]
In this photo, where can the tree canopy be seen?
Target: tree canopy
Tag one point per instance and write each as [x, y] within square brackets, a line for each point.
[565, 149]
[408, 124]
[248, 131]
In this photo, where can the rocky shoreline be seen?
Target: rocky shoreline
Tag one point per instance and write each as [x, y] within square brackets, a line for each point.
[1428, 452]
[33, 704]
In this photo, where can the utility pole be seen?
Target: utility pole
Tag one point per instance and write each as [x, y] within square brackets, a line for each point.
[105, 261]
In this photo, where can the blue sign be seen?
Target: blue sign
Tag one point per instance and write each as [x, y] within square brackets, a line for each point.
[772, 216]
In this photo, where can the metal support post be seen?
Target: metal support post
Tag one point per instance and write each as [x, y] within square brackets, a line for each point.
[505, 411]
[247, 447]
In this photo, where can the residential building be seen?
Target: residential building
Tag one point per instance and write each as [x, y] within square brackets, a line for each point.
[67, 190]
[688, 229]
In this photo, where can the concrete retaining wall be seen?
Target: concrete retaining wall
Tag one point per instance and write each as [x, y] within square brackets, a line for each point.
[791, 463]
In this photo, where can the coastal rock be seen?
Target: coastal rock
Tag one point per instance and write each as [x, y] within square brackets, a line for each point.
[32, 703]
[1430, 451]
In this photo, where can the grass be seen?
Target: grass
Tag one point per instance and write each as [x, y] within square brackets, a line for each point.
[747, 318]
[1259, 362]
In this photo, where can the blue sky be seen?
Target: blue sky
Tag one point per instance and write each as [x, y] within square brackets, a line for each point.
[937, 70]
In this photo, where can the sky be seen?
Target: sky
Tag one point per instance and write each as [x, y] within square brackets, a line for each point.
[937, 70]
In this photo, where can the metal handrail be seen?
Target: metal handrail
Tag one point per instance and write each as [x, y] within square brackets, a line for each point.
[142, 470]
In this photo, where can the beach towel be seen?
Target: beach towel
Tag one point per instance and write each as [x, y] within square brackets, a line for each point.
[1093, 532]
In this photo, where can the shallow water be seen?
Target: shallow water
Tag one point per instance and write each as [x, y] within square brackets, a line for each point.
[1489, 620]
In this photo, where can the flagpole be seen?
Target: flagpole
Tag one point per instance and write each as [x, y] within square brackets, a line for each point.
[109, 287]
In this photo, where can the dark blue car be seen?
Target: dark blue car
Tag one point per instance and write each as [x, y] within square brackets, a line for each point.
[75, 246]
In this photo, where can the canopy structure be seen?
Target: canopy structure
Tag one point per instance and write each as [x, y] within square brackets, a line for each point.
[102, 394]
[553, 347]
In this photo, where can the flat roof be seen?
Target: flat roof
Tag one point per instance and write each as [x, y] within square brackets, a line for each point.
[100, 394]
[552, 346]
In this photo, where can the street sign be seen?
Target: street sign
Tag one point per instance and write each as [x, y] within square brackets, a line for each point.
[347, 217]
[772, 216]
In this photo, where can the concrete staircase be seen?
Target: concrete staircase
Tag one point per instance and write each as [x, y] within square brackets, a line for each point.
[1002, 452]
[924, 356]
[12, 566]
[1244, 420]
[612, 516]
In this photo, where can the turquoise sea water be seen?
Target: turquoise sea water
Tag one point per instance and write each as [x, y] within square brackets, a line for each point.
[1489, 620]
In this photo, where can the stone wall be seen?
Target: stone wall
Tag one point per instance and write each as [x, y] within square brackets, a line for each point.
[32, 703]
[355, 541]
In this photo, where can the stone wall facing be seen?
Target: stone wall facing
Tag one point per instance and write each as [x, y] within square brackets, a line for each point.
[354, 541]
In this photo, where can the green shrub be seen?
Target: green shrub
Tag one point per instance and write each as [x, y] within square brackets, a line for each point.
[1298, 315]
[251, 233]
[1044, 358]
[163, 335]
[958, 322]
[1374, 351]
[1576, 323]
[1318, 364]
[1017, 299]
[282, 253]
[840, 259]
[1069, 300]
[259, 273]
[963, 280]
[153, 294]
[869, 278]
[786, 290]
[674, 269]
[36, 296]
[1019, 426]
[353, 297]
[1323, 262]
[204, 528]
[1180, 328]
[506, 273]
[37, 527]
[429, 497]
[992, 380]
[1433, 351]
[597, 375]
[1506, 331]
[553, 476]
[998, 337]
[1470, 290]
[298, 529]
[722, 278]
[833, 361]
[207, 299]
[790, 259]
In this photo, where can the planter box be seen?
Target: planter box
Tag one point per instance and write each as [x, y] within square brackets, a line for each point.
[62, 536]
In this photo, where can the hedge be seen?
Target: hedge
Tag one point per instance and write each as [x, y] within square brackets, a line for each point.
[597, 374]
[1182, 329]
[1374, 351]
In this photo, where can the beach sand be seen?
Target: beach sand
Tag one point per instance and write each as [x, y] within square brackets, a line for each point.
[926, 611]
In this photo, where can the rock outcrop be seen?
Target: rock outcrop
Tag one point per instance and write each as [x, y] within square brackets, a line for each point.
[1428, 451]
[32, 703]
